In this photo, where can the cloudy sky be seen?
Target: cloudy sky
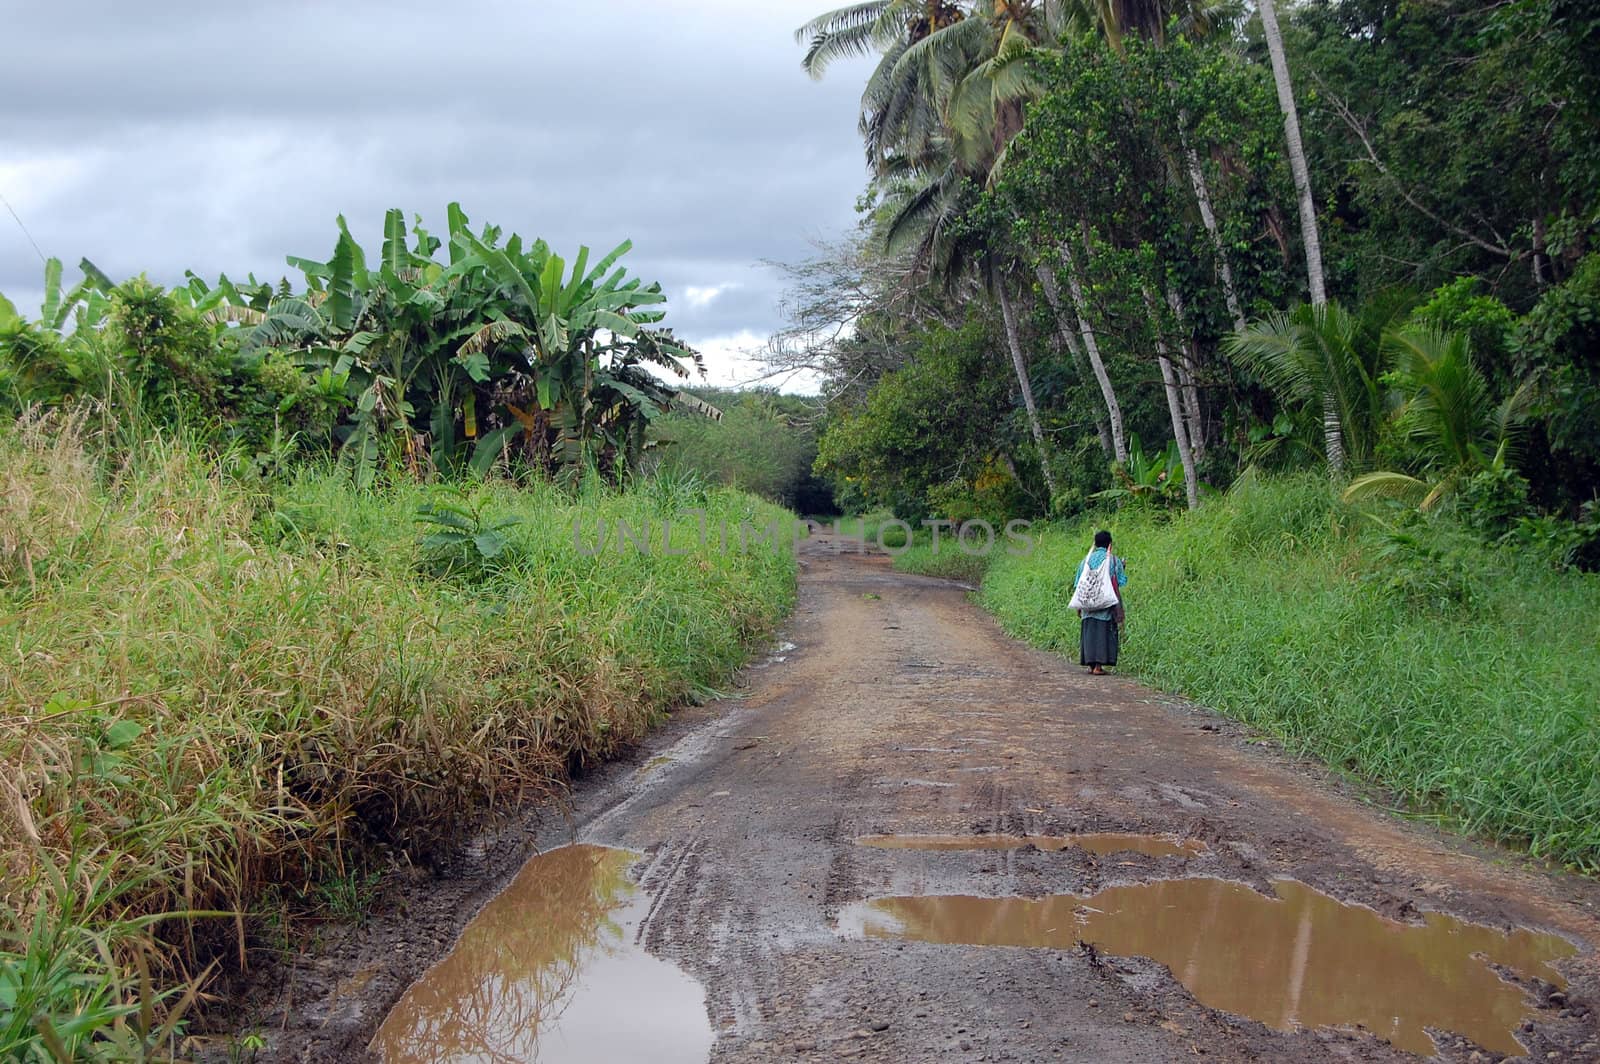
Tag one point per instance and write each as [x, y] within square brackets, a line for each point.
[222, 136]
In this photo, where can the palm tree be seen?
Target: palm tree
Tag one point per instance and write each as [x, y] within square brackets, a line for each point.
[939, 110]
[1297, 155]
[916, 214]
[944, 75]
[874, 26]
[1328, 356]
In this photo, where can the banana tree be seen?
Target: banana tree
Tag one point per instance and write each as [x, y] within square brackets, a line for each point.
[586, 334]
[1157, 477]
[47, 358]
[499, 353]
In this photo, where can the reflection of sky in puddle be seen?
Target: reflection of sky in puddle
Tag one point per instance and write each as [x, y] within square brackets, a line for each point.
[1097, 842]
[1301, 959]
[549, 972]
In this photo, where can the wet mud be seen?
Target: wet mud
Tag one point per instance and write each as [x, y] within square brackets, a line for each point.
[1300, 959]
[1104, 842]
[901, 710]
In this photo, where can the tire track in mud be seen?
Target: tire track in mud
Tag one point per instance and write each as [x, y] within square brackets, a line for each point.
[904, 710]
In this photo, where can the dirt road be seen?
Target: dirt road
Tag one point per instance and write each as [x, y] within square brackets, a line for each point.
[902, 710]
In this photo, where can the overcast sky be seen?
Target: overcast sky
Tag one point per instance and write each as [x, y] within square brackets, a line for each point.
[223, 136]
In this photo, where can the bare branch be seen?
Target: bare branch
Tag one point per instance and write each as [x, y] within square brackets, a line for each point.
[1359, 129]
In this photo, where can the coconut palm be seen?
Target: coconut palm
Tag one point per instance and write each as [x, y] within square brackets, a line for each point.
[938, 112]
[1325, 355]
[945, 74]
[1309, 235]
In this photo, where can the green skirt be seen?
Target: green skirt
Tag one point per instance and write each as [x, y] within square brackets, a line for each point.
[1098, 642]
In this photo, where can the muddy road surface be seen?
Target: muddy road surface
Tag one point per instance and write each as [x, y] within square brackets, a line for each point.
[909, 837]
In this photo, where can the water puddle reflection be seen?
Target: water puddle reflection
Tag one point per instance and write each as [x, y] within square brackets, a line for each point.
[544, 973]
[1098, 842]
[1302, 959]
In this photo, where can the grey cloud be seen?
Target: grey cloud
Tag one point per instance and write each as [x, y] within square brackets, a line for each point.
[223, 137]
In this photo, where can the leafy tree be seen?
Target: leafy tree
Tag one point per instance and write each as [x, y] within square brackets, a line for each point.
[939, 421]
[1454, 138]
[764, 443]
[1559, 342]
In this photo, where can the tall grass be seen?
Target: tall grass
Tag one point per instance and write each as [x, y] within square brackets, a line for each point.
[1462, 678]
[216, 694]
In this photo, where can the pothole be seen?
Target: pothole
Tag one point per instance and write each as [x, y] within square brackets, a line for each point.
[542, 971]
[1103, 842]
[1302, 959]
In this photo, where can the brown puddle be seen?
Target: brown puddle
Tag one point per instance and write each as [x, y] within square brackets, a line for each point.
[1100, 843]
[1302, 959]
[541, 972]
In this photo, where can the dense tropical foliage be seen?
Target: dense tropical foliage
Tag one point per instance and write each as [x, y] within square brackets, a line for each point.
[1230, 235]
[764, 443]
[497, 354]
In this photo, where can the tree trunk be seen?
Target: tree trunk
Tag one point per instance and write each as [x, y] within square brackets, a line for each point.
[1186, 367]
[1015, 343]
[1202, 196]
[1538, 252]
[1332, 435]
[1180, 431]
[1052, 295]
[1297, 155]
[1091, 346]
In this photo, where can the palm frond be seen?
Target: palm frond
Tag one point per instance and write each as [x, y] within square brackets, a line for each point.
[1449, 410]
[696, 405]
[912, 213]
[856, 30]
[232, 312]
[971, 117]
[1014, 67]
[1399, 486]
[291, 322]
[1511, 417]
[1276, 349]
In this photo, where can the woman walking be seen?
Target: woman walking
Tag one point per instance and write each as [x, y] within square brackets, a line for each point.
[1097, 596]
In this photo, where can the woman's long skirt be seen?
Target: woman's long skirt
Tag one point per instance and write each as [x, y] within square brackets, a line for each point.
[1098, 640]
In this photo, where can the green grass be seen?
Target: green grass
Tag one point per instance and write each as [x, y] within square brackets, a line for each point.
[866, 527]
[949, 561]
[916, 554]
[222, 695]
[1463, 679]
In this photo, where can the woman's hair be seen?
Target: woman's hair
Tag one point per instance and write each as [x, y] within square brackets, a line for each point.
[1102, 538]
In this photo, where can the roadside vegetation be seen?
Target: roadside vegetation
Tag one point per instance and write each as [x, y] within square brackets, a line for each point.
[1460, 677]
[764, 443]
[1321, 352]
[298, 585]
